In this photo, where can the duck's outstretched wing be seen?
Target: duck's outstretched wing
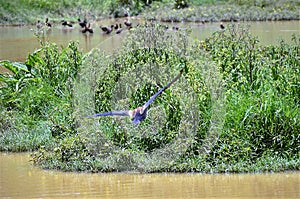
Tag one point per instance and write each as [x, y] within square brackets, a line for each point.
[112, 113]
[161, 90]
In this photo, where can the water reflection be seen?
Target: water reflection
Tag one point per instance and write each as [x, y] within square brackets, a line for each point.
[19, 179]
[17, 42]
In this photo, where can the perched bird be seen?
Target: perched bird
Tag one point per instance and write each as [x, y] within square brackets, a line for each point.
[65, 23]
[222, 26]
[87, 29]
[82, 23]
[140, 113]
[47, 23]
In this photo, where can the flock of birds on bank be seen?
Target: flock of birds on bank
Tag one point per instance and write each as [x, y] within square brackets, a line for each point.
[86, 27]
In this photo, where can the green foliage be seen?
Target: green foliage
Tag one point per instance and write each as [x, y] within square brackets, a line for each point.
[17, 137]
[126, 80]
[72, 154]
[46, 74]
[262, 97]
[42, 107]
[122, 8]
[261, 127]
[179, 4]
[212, 11]
[29, 11]
[234, 51]
[40, 89]
[152, 51]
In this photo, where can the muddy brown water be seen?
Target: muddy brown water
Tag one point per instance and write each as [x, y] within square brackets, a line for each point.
[19, 179]
[17, 42]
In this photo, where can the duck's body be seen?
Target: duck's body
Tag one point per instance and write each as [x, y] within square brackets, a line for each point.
[87, 29]
[222, 26]
[116, 26]
[65, 23]
[119, 29]
[39, 25]
[107, 29]
[128, 24]
[82, 24]
[103, 28]
[47, 23]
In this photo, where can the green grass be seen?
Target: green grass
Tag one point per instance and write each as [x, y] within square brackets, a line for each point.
[214, 11]
[35, 100]
[21, 12]
[19, 133]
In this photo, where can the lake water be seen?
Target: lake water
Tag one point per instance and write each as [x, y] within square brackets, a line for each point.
[19, 179]
[17, 42]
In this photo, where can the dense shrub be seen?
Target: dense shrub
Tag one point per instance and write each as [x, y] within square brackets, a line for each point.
[40, 90]
[262, 97]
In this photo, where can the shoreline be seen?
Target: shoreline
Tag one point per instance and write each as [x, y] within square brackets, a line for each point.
[157, 11]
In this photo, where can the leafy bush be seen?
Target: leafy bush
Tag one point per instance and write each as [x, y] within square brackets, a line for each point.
[41, 90]
[154, 54]
[262, 105]
[179, 4]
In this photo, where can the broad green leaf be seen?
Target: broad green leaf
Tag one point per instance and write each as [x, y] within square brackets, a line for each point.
[14, 67]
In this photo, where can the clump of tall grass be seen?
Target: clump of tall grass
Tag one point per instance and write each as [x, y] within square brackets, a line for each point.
[262, 117]
[34, 93]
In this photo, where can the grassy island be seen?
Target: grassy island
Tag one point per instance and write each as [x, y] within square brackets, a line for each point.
[236, 107]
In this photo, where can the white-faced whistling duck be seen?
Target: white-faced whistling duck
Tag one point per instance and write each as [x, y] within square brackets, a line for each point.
[103, 28]
[65, 23]
[128, 24]
[116, 26]
[82, 23]
[107, 30]
[47, 23]
[119, 30]
[39, 25]
[110, 29]
[222, 26]
[87, 29]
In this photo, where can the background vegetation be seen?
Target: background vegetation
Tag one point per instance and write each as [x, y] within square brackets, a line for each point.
[233, 10]
[42, 107]
[29, 11]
